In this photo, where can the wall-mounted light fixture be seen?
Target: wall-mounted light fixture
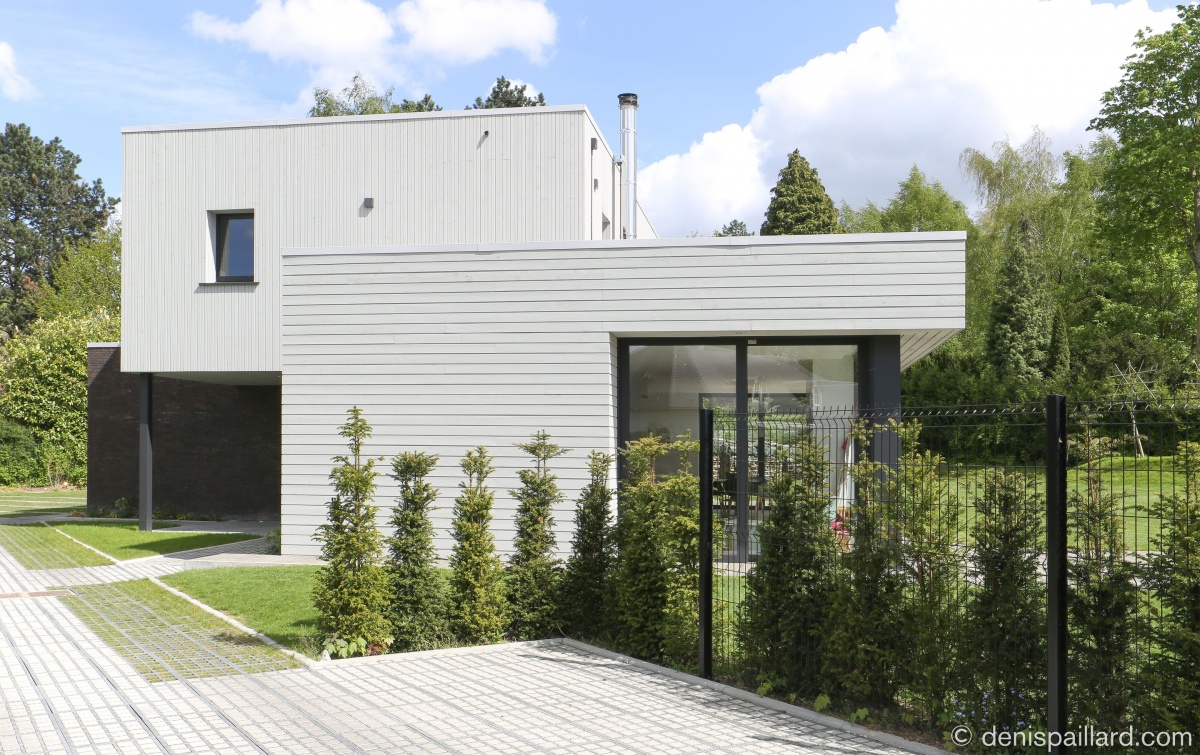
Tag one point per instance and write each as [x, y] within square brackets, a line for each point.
[369, 203]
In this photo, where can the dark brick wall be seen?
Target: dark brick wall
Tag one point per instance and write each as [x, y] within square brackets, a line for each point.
[216, 447]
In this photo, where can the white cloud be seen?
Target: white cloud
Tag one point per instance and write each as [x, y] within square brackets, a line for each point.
[338, 37]
[466, 31]
[13, 85]
[949, 74]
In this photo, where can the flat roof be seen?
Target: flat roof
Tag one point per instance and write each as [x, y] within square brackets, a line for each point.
[311, 121]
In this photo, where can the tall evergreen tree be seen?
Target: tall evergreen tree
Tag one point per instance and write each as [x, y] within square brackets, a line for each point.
[477, 583]
[506, 93]
[1017, 336]
[585, 583]
[418, 604]
[1058, 356]
[799, 204]
[351, 591]
[533, 571]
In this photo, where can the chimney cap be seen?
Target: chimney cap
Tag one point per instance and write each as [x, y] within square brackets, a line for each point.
[627, 98]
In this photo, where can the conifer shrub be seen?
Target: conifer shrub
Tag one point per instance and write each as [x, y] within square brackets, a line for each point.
[864, 633]
[533, 571]
[1102, 601]
[418, 603]
[1171, 680]
[927, 517]
[351, 591]
[477, 583]
[789, 590]
[586, 580]
[657, 578]
[1004, 679]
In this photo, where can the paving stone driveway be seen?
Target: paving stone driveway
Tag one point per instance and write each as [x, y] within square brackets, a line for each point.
[62, 690]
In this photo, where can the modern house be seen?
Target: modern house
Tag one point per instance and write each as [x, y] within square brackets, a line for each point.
[466, 278]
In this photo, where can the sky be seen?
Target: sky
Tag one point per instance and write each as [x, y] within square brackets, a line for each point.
[864, 89]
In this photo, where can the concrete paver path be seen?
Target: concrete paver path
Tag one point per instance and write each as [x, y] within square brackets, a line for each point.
[63, 690]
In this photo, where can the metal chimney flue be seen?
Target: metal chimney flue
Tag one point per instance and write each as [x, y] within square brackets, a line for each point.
[629, 105]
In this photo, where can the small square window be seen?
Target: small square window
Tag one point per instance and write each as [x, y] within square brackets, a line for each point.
[235, 247]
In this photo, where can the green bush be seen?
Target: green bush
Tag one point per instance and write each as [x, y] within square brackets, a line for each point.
[657, 579]
[477, 582]
[43, 385]
[20, 461]
[864, 634]
[585, 582]
[927, 513]
[1102, 601]
[1171, 679]
[1004, 678]
[351, 591]
[788, 592]
[533, 571]
[418, 602]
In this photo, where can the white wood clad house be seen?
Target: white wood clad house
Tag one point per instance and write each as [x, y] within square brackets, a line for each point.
[455, 275]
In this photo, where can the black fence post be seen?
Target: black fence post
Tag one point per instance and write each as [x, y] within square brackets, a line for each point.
[706, 543]
[1056, 563]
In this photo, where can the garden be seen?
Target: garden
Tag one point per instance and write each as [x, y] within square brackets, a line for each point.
[916, 605]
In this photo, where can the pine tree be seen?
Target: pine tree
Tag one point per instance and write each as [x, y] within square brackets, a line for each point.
[506, 93]
[1017, 332]
[533, 571]
[477, 584]
[585, 583]
[418, 605]
[351, 591]
[734, 227]
[799, 204]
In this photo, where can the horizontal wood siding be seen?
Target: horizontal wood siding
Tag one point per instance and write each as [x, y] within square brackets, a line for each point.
[434, 180]
[448, 348]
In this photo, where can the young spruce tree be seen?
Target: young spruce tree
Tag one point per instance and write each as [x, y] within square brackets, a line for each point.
[418, 606]
[799, 204]
[1005, 626]
[477, 584]
[1102, 604]
[585, 583]
[791, 585]
[351, 591]
[533, 571]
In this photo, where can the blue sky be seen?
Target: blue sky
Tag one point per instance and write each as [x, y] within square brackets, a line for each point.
[863, 89]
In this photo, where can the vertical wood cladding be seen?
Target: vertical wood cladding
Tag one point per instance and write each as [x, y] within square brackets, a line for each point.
[216, 447]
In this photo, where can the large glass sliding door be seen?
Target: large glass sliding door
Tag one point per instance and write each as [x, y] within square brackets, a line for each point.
[758, 388]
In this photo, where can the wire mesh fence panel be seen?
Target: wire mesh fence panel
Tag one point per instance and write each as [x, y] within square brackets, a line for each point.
[1134, 565]
[869, 559]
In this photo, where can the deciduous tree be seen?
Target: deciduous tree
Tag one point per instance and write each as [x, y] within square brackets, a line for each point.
[45, 207]
[362, 98]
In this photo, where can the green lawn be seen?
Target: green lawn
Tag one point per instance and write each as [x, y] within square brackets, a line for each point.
[34, 502]
[123, 540]
[36, 546]
[275, 600]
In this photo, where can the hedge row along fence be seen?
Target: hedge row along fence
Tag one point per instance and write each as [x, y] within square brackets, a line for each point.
[877, 566]
[884, 567]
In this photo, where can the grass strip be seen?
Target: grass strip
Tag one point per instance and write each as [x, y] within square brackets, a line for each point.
[165, 637]
[38, 547]
[35, 502]
[273, 600]
[123, 540]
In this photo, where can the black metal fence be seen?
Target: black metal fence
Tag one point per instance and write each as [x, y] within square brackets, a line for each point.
[1016, 567]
